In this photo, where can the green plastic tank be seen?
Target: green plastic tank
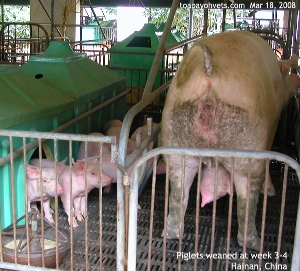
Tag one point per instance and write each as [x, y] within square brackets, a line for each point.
[81, 78]
[174, 36]
[48, 91]
[26, 104]
[138, 51]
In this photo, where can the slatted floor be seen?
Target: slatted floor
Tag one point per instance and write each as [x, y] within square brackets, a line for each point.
[109, 230]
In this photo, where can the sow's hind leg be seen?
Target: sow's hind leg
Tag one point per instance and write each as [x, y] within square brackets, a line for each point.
[255, 171]
[175, 206]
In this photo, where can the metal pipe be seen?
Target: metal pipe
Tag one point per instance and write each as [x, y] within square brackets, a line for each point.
[224, 18]
[181, 43]
[21, 267]
[296, 256]
[221, 153]
[144, 144]
[121, 244]
[34, 144]
[190, 34]
[205, 25]
[160, 50]
[93, 11]
[50, 17]
[201, 153]
[2, 12]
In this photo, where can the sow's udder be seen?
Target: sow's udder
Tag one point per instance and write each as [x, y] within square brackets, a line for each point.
[208, 123]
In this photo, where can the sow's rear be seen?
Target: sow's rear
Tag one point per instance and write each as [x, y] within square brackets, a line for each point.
[227, 93]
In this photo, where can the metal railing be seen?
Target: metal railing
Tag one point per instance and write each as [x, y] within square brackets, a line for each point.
[186, 245]
[20, 40]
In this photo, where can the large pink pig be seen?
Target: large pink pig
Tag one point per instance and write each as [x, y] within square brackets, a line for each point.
[228, 93]
[207, 182]
[50, 189]
[86, 175]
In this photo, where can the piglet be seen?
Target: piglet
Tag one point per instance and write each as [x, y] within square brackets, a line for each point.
[111, 169]
[50, 189]
[144, 131]
[113, 128]
[94, 179]
[93, 148]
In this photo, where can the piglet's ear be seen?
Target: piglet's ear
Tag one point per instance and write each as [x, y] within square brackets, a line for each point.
[79, 167]
[33, 172]
[60, 166]
[96, 160]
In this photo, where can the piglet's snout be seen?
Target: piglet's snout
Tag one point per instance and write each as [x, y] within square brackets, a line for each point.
[106, 180]
[59, 190]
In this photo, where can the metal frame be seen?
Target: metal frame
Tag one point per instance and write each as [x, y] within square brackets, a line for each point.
[40, 137]
[212, 153]
[15, 49]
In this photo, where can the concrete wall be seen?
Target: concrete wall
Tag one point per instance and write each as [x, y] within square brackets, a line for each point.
[39, 15]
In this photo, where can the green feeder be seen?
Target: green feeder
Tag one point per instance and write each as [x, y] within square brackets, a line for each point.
[26, 104]
[81, 78]
[138, 51]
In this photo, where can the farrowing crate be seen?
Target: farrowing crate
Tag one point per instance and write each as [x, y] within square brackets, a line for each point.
[209, 241]
[94, 244]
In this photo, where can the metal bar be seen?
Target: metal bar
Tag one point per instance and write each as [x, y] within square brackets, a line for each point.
[224, 17]
[50, 17]
[197, 220]
[20, 267]
[213, 226]
[283, 197]
[296, 256]
[46, 37]
[269, 155]
[139, 69]
[137, 152]
[166, 211]
[181, 212]
[264, 212]
[2, 12]
[221, 153]
[152, 214]
[190, 34]
[286, 53]
[246, 221]
[205, 26]
[182, 43]
[12, 177]
[93, 11]
[121, 261]
[160, 50]
[230, 212]
[50, 135]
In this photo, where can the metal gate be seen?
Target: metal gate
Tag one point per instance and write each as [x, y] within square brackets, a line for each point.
[91, 245]
[209, 240]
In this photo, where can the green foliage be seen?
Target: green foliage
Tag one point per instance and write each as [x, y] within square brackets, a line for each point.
[181, 21]
[15, 14]
[110, 11]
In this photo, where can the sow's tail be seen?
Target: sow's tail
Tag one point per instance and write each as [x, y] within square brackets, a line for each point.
[200, 53]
